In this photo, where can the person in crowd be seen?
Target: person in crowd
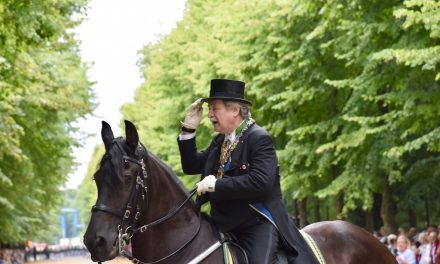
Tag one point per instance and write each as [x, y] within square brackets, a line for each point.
[240, 176]
[377, 235]
[412, 233]
[422, 253]
[437, 251]
[432, 228]
[383, 233]
[404, 254]
[34, 252]
[401, 231]
[434, 243]
[392, 243]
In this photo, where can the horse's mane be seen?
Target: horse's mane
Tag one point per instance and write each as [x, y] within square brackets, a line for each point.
[168, 170]
[108, 168]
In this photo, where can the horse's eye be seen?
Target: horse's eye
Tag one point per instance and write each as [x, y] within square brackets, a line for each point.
[126, 164]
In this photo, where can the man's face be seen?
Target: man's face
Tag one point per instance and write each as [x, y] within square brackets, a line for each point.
[222, 118]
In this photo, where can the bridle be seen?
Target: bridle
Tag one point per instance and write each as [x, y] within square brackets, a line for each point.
[140, 190]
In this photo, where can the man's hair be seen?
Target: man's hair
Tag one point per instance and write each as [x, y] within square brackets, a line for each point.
[245, 109]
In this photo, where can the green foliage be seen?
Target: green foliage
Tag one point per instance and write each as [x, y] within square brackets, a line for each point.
[348, 89]
[43, 90]
[87, 193]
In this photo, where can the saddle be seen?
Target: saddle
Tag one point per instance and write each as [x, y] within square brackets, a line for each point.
[234, 254]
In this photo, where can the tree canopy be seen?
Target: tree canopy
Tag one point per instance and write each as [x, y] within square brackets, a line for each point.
[43, 90]
[348, 89]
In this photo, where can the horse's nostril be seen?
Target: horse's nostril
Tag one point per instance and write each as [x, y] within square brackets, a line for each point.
[94, 242]
[99, 242]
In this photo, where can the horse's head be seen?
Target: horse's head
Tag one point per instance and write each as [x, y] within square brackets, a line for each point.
[120, 170]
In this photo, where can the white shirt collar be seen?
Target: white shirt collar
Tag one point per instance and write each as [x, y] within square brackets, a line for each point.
[231, 136]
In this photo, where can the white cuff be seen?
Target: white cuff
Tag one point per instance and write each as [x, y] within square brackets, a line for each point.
[187, 136]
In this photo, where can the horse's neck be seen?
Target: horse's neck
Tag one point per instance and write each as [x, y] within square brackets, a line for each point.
[164, 196]
[165, 193]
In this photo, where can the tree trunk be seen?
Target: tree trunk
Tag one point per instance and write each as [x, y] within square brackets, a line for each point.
[427, 217]
[387, 210]
[296, 212]
[378, 223]
[339, 205]
[369, 220]
[303, 213]
[316, 211]
[412, 218]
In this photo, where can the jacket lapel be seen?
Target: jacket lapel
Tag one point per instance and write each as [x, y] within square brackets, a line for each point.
[237, 155]
[212, 162]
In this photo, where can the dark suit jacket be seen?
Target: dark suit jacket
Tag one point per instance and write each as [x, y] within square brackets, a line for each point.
[252, 177]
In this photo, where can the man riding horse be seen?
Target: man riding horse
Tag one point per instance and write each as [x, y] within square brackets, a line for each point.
[240, 176]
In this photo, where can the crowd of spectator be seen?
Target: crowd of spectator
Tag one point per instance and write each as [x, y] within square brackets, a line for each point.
[19, 254]
[11, 256]
[412, 247]
[409, 247]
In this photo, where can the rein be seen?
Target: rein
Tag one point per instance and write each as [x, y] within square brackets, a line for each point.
[167, 216]
[124, 237]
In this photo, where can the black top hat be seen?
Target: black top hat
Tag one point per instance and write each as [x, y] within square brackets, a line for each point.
[229, 90]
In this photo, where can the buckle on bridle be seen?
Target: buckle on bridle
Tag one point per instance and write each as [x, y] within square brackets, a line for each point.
[128, 234]
[139, 181]
[127, 213]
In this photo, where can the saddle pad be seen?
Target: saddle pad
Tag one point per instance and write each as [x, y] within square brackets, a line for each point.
[228, 254]
[230, 251]
[313, 246]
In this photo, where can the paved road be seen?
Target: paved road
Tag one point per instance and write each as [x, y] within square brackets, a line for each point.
[78, 260]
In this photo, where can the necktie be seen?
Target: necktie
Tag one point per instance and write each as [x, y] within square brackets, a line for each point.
[224, 151]
[223, 156]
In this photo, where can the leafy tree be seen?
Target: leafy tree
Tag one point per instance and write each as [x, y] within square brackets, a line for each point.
[87, 192]
[348, 89]
[43, 89]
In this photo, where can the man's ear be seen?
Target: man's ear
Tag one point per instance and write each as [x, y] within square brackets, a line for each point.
[236, 110]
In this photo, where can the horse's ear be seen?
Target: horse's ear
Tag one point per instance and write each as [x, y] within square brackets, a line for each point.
[107, 135]
[131, 135]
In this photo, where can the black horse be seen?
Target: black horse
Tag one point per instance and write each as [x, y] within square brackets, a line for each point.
[140, 200]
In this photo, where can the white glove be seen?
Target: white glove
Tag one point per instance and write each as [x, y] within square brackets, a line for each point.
[206, 185]
[193, 115]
